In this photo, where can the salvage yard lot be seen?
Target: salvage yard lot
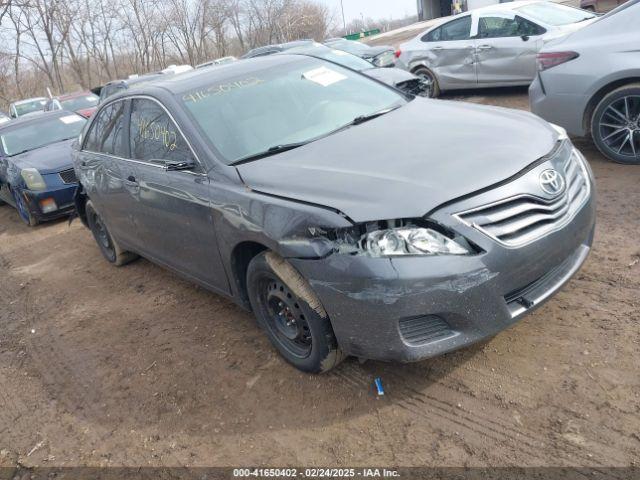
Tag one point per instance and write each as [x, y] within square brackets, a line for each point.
[134, 366]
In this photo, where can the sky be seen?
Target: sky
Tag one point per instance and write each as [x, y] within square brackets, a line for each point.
[372, 8]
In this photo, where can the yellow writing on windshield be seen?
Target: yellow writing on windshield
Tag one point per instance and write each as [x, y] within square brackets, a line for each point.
[220, 89]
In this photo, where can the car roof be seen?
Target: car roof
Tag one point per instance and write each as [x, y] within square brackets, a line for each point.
[68, 96]
[203, 77]
[509, 6]
[28, 100]
[27, 119]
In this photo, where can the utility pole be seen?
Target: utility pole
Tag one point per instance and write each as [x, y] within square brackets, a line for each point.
[344, 22]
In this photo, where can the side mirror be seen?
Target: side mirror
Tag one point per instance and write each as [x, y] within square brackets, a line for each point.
[172, 166]
[525, 38]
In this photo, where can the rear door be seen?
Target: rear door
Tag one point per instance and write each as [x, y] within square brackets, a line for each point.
[173, 214]
[450, 53]
[506, 49]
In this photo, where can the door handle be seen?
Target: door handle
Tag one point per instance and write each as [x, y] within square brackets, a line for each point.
[437, 48]
[485, 47]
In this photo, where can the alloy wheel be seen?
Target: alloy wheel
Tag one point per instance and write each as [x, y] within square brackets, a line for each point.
[619, 126]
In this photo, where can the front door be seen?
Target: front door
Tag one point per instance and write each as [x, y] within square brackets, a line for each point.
[105, 171]
[451, 54]
[174, 218]
[506, 49]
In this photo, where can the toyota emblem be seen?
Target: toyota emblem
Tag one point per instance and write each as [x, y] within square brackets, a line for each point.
[552, 182]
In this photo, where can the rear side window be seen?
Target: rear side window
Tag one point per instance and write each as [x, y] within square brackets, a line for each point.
[153, 135]
[107, 131]
[459, 29]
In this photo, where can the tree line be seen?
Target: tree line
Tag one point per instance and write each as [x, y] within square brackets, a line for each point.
[71, 44]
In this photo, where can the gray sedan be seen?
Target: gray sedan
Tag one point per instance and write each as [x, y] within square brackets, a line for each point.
[280, 183]
[493, 46]
[589, 83]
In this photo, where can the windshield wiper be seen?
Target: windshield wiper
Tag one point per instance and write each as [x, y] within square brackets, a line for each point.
[371, 116]
[290, 146]
[269, 152]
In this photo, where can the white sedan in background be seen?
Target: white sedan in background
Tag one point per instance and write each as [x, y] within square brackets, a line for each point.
[493, 46]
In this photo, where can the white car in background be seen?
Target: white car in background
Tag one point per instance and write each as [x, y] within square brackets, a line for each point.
[493, 46]
[27, 106]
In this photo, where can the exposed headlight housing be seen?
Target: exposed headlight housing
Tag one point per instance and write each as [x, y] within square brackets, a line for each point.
[411, 241]
[33, 179]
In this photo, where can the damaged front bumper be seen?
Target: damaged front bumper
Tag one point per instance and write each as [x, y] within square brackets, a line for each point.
[52, 203]
[415, 307]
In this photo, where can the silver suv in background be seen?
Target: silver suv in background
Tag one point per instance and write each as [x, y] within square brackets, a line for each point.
[589, 83]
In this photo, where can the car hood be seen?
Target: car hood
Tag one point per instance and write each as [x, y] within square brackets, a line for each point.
[408, 162]
[51, 158]
[390, 76]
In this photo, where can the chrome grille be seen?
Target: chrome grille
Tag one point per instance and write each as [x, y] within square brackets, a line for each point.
[68, 176]
[525, 218]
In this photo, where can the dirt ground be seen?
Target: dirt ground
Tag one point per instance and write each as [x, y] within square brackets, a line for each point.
[134, 366]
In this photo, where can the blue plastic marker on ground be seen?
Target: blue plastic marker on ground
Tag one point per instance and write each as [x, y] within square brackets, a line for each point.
[379, 388]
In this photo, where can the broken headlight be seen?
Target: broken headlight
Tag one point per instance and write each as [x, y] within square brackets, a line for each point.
[411, 241]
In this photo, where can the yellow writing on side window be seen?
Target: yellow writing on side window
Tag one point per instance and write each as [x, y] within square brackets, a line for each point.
[150, 130]
[220, 89]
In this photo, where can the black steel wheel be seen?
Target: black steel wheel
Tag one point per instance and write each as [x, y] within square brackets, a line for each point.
[300, 334]
[285, 318]
[615, 125]
[429, 81]
[109, 248]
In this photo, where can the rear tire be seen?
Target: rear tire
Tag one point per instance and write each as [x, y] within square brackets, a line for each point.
[615, 125]
[108, 246]
[427, 75]
[301, 333]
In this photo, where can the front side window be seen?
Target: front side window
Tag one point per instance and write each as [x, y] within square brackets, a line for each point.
[38, 134]
[496, 27]
[296, 100]
[556, 15]
[153, 135]
[107, 131]
[459, 29]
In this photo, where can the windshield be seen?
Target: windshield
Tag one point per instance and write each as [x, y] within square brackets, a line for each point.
[31, 106]
[293, 101]
[78, 103]
[555, 15]
[337, 56]
[38, 134]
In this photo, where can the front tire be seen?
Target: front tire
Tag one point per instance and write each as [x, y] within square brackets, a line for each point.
[615, 125]
[429, 77]
[108, 246]
[298, 327]
[23, 209]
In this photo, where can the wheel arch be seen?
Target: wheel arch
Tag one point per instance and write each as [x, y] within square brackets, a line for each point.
[597, 97]
[241, 256]
[80, 200]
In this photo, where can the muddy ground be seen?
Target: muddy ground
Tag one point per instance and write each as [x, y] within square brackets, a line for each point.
[134, 366]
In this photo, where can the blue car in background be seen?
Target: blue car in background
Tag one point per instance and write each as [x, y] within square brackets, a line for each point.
[36, 170]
